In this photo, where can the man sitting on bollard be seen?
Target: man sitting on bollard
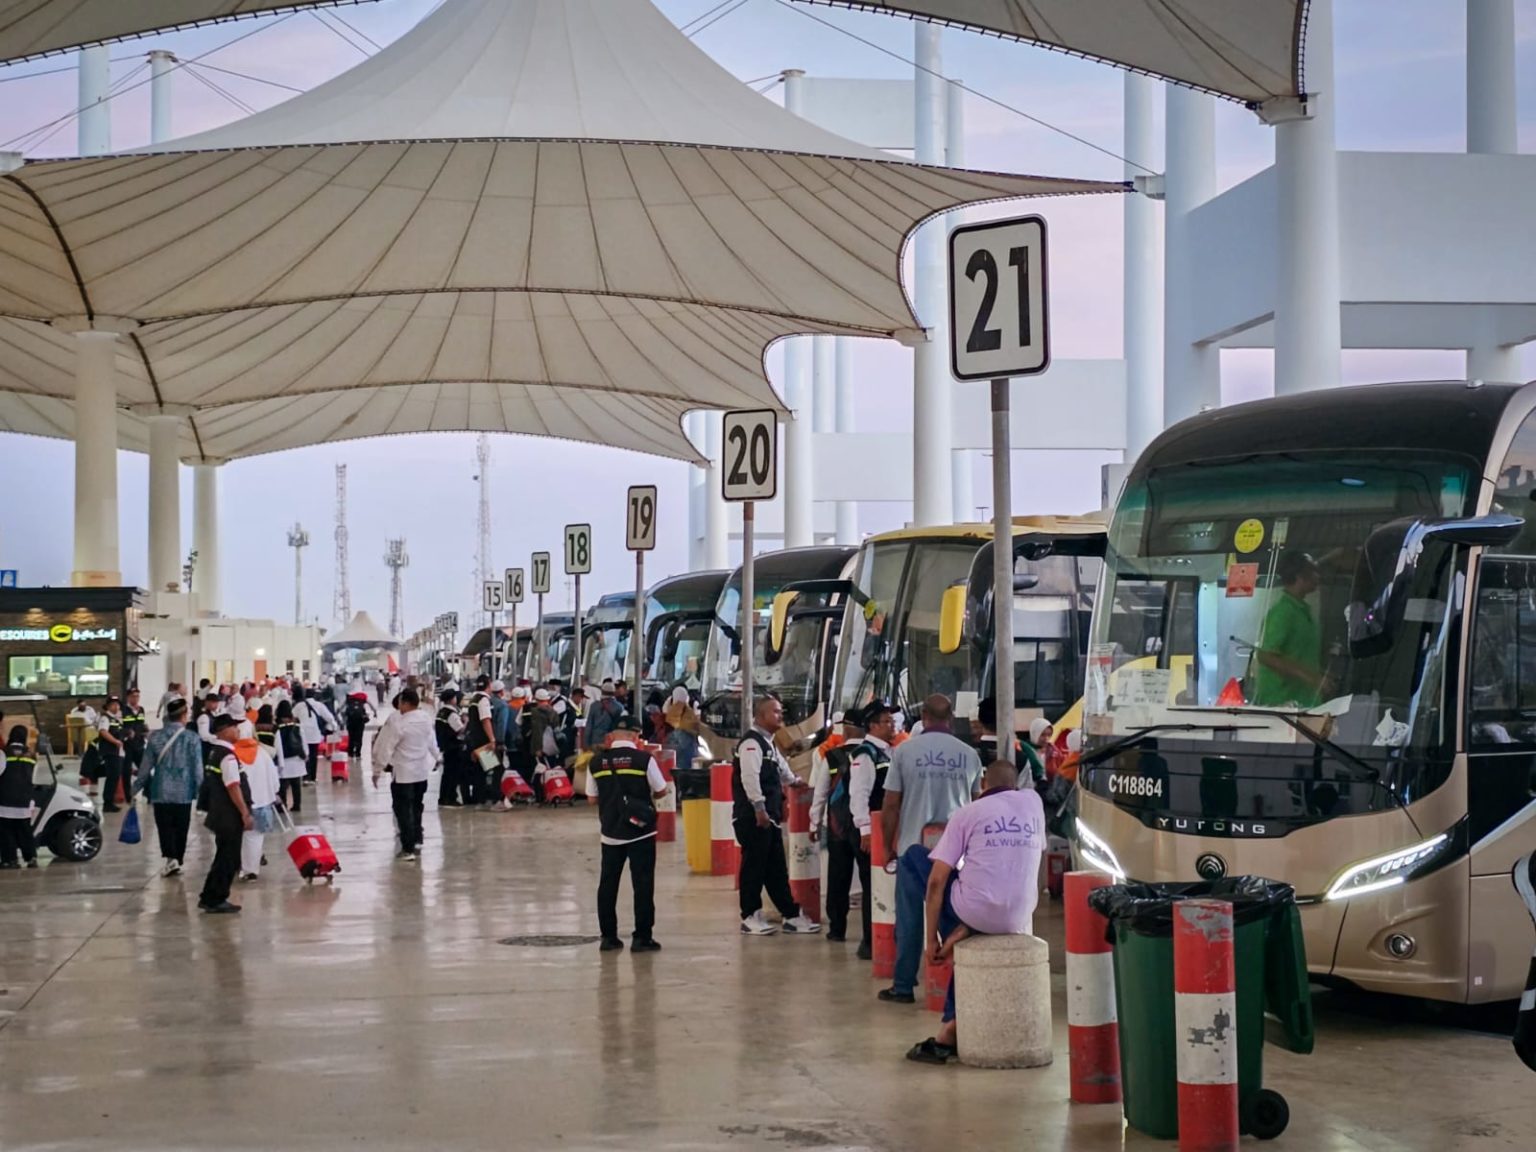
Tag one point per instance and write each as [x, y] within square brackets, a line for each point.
[1001, 838]
[930, 777]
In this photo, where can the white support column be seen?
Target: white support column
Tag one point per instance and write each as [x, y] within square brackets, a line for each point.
[161, 66]
[717, 531]
[962, 468]
[932, 420]
[165, 503]
[824, 383]
[847, 510]
[205, 535]
[1143, 291]
[1307, 330]
[1191, 372]
[693, 426]
[94, 125]
[1491, 129]
[798, 474]
[97, 563]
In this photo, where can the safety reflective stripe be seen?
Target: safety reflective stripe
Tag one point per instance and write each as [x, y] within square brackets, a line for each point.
[629, 771]
[604, 772]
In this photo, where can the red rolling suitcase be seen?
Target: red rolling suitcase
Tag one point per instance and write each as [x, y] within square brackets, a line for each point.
[309, 850]
[514, 789]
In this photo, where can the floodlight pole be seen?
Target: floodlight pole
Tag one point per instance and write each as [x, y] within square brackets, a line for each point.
[1002, 568]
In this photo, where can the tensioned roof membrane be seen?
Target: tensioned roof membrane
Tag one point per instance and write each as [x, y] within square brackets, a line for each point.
[547, 216]
[1247, 50]
[30, 28]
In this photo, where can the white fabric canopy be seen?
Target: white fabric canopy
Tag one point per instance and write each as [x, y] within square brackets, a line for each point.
[361, 632]
[614, 235]
[30, 28]
[1248, 50]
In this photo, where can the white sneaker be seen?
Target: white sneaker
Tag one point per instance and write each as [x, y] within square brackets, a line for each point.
[757, 925]
[408, 857]
[802, 924]
[168, 868]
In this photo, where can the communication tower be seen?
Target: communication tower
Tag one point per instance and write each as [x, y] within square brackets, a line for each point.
[395, 560]
[298, 540]
[483, 537]
[342, 608]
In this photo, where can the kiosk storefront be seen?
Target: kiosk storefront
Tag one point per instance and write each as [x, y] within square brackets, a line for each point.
[68, 644]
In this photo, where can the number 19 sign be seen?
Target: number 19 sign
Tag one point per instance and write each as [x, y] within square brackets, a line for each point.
[999, 325]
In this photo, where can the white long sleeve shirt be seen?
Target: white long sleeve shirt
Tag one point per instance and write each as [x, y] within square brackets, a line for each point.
[861, 782]
[750, 756]
[407, 746]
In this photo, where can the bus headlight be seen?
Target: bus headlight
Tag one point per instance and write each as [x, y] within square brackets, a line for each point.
[1098, 855]
[1388, 871]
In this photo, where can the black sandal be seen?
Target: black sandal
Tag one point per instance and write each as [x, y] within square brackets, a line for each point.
[930, 1051]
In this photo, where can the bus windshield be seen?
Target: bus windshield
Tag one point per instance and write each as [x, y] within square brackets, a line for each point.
[1231, 585]
[794, 677]
[679, 655]
[606, 652]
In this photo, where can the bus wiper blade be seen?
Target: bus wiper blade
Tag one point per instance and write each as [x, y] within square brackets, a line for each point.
[1131, 739]
[1338, 751]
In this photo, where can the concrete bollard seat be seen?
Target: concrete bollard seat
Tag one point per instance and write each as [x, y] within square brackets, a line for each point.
[1003, 1001]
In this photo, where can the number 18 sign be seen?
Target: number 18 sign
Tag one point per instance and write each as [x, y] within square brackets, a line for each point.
[998, 320]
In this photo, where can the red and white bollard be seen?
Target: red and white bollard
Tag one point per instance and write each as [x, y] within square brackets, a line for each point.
[1093, 1028]
[882, 908]
[1205, 1025]
[804, 858]
[666, 807]
[723, 849]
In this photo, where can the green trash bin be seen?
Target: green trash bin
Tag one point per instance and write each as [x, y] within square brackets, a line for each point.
[1271, 971]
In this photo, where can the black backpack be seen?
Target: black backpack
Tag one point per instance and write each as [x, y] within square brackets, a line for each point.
[357, 712]
[839, 802]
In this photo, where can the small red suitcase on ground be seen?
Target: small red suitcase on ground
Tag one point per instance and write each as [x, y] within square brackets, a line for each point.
[309, 850]
[339, 773]
[557, 787]
[514, 789]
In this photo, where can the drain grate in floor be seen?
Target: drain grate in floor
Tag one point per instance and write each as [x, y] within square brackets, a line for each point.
[548, 941]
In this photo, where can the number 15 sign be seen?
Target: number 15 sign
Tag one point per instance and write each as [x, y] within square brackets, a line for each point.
[998, 321]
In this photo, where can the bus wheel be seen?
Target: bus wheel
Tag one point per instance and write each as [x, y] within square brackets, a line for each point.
[1266, 1115]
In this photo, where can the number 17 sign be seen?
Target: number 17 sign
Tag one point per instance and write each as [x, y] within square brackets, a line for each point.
[998, 320]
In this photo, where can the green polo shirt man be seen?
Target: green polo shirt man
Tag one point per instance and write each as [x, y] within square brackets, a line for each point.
[1290, 654]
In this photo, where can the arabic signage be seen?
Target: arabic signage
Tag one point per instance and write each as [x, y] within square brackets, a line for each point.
[59, 634]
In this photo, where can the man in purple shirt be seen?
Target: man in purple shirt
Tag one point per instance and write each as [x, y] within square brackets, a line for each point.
[1000, 836]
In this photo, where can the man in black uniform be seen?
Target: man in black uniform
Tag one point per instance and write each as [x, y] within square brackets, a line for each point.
[454, 791]
[136, 725]
[626, 781]
[759, 776]
[229, 814]
[110, 739]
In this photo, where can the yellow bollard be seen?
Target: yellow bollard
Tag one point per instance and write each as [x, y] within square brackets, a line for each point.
[696, 835]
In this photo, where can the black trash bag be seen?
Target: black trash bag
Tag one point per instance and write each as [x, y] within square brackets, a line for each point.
[692, 783]
[1147, 909]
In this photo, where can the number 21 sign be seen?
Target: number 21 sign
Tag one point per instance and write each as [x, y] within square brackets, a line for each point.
[999, 323]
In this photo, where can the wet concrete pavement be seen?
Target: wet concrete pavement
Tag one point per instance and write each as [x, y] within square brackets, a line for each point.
[383, 1012]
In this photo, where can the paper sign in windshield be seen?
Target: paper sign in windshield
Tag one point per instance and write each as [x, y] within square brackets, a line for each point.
[1249, 535]
[1242, 579]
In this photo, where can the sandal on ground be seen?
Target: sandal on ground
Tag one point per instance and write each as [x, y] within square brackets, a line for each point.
[930, 1051]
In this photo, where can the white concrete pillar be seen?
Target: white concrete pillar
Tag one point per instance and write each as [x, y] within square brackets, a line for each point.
[932, 420]
[97, 563]
[847, 510]
[1490, 77]
[717, 532]
[1191, 373]
[94, 124]
[1307, 333]
[161, 66]
[962, 467]
[165, 503]
[824, 383]
[798, 472]
[1143, 289]
[205, 535]
[693, 428]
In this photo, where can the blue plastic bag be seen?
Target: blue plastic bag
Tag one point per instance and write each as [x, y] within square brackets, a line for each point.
[130, 834]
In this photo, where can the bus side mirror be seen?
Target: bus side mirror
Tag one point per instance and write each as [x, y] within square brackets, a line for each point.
[1379, 599]
[952, 619]
[778, 622]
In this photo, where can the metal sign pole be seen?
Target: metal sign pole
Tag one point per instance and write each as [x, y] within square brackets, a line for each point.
[748, 611]
[576, 656]
[513, 656]
[637, 636]
[538, 655]
[495, 647]
[1002, 568]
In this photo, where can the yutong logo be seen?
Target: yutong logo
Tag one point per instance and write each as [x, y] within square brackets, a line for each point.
[1211, 866]
[1200, 827]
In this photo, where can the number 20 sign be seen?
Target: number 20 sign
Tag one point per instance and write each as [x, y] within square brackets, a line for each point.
[750, 469]
[998, 320]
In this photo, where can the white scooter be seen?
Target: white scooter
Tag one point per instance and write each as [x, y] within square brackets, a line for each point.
[64, 820]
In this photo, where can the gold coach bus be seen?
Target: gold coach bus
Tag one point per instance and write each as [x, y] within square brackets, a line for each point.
[1309, 662]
